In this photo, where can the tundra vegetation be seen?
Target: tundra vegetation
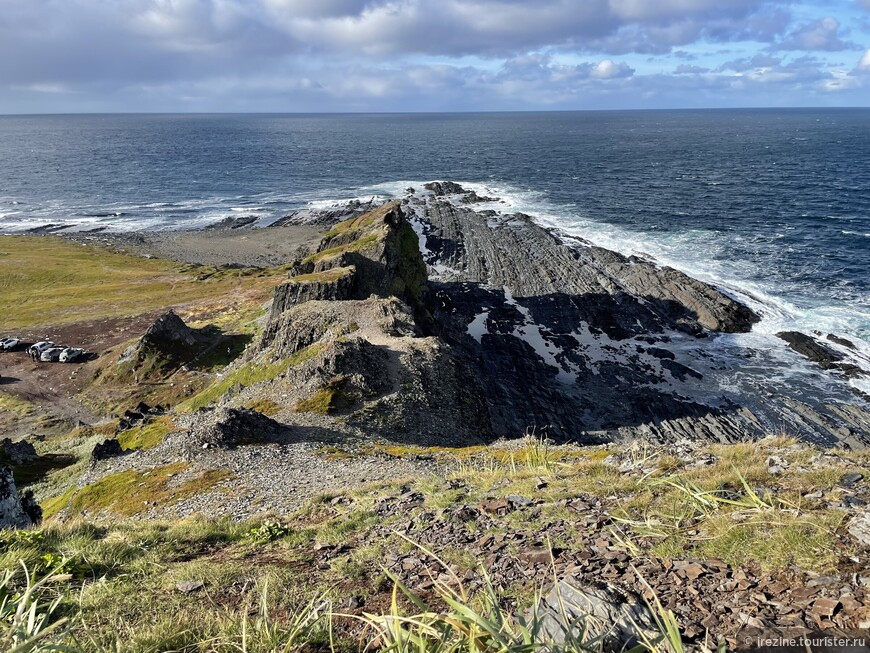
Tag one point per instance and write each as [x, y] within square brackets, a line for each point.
[284, 582]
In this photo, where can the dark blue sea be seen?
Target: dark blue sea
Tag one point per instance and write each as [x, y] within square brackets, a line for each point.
[772, 205]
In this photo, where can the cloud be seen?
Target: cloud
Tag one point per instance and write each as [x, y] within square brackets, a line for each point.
[608, 69]
[415, 54]
[822, 34]
[864, 64]
[751, 63]
[688, 69]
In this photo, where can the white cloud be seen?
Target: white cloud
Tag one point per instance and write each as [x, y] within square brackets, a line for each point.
[396, 54]
[608, 69]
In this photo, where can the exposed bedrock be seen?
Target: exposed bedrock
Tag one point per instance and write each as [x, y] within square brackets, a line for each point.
[517, 328]
[374, 254]
[625, 296]
[585, 344]
[17, 510]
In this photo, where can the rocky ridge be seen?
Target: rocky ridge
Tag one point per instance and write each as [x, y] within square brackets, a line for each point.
[609, 347]
[429, 322]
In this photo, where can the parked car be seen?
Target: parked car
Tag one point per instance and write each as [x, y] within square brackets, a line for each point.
[8, 344]
[39, 347]
[71, 354]
[51, 355]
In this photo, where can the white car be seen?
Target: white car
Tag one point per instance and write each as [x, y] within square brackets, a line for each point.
[39, 347]
[71, 354]
[8, 344]
[51, 355]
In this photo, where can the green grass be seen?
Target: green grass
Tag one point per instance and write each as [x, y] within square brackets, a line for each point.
[146, 436]
[121, 596]
[265, 406]
[361, 223]
[36, 470]
[321, 402]
[16, 405]
[326, 401]
[250, 374]
[47, 280]
[358, 245]
[130, 492]
[261, 577]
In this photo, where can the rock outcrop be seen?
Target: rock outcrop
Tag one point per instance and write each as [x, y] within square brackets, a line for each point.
[18, 453]
[106, 449]
[226, 428]
[167, 344]
[374, 254]
[429, 322]
[820, 353]
[17, 510]
[583, 343]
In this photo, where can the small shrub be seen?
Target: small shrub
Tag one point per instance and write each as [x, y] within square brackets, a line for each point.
[268, 531]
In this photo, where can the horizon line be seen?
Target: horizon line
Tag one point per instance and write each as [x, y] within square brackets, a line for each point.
[421, 112]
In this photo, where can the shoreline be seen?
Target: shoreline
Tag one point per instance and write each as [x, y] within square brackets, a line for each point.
[244, 247]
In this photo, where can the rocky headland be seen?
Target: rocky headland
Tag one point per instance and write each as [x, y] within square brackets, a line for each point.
[381, 390]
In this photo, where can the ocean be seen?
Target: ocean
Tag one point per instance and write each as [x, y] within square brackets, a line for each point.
[771, 205]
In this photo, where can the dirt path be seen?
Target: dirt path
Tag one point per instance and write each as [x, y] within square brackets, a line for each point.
[51, 387]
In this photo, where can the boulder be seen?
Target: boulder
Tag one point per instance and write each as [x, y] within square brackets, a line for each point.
[811, 348]
[570, 608]
[18, 453]
[17, 510]
[167, 342]
[442, 188]
[859, 528]
[227, 428]
[110, 448]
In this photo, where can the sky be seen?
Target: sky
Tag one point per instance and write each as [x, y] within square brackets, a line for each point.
[71, 56]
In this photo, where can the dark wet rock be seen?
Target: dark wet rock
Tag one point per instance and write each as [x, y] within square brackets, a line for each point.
[552, 328]
[18, 453]
[17, 510]
[625, 296]
[110, 448]
[442, 188]
[811, 348]
[328, 216]
[843, 342]
[471, 197]
[853, 478]
[233, 223]
[50, 228]
[821, 354]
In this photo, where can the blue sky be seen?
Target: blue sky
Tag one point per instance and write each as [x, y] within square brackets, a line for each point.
[430, 55]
